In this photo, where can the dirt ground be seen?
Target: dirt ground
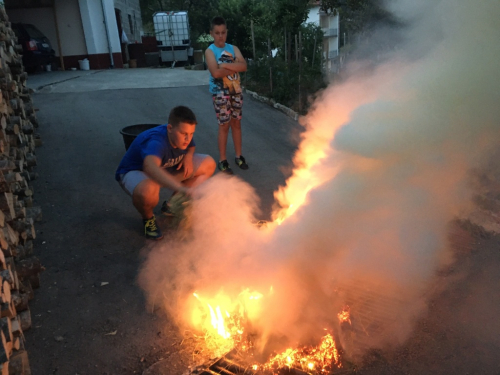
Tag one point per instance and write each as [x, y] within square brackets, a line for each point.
[90, 316]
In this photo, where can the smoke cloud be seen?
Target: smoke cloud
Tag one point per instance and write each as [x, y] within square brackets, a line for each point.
[380, 173]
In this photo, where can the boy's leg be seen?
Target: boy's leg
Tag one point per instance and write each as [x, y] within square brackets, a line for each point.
[145, 192]
[235, 125]
[145, 197]
[203, 168]
[222, 106]
[222, 139]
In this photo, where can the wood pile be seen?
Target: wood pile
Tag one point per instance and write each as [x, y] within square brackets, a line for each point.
[19, 269]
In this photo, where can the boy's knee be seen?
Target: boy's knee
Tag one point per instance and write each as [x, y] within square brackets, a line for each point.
[147, 190]
[210, 165]
[224, 128]
[207, 167]
[235, 123]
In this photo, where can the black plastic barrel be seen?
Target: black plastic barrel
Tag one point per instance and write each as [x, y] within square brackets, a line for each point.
[131, 132]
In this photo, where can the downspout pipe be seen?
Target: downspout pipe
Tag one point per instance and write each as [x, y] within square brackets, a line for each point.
[107, 34]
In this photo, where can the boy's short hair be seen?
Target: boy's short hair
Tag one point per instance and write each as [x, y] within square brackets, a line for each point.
[181, 114]
[217, 21]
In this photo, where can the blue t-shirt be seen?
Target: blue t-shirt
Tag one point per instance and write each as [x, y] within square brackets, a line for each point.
[151, 142]
[230, 84]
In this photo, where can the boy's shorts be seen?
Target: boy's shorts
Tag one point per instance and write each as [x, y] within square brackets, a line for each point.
[130, 180]
[227, 106]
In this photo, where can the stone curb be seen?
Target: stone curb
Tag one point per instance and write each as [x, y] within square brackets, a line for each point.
[288, 111]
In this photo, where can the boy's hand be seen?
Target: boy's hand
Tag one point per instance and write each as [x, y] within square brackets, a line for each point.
[186, 191]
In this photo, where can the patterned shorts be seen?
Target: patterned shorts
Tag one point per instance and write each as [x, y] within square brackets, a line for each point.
[227, 106]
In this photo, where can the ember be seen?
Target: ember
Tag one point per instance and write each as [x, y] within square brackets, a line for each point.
[225, 332]
[320, 359]
[345, 316]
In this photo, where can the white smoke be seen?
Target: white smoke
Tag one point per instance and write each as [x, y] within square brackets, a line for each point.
[396, 143]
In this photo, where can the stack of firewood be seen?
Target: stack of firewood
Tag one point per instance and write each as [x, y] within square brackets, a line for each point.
[19, 269]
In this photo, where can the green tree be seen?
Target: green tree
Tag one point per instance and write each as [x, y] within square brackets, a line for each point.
[359, 16]
[239, 15]
[269, 17]
[290, 14]
[201, 13]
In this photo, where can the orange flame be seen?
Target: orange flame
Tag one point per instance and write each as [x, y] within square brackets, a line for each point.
[345, 315]
[228, 333]
[322, 358]
[321, 124]
[222, 318]
[218, 321]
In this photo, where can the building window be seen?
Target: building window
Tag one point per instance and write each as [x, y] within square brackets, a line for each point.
[324, 22]
[131, 24]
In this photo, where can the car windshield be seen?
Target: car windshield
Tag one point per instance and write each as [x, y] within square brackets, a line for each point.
[33, 32]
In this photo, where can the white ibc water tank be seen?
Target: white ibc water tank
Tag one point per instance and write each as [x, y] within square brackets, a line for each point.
[172, 28]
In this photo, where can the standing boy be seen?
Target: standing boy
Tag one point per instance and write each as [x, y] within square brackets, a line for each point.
[225, 62]
[163, 157]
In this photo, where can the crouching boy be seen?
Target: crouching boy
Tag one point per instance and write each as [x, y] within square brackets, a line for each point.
[163, 156]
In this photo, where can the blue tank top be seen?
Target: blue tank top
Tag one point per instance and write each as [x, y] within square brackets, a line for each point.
[230, 84]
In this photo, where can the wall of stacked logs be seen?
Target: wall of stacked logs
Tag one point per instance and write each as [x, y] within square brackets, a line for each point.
[19, 269]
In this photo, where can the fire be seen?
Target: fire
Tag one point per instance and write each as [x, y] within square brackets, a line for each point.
[218, 321]
[320, 359]
[224, 322]
[345, 315]
[222, 319]
[321, 125]
[304, 179]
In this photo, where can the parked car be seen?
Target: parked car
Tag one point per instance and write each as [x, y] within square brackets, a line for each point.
[37, 50]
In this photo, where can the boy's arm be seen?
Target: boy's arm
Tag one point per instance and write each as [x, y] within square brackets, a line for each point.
[187, 162]
[239, 64]
[152, 167]
[215, 69]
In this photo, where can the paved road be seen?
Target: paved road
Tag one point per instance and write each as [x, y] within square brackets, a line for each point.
[113, 79]
[90, 233]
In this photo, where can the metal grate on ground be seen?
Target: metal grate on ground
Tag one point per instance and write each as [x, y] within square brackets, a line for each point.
[234, 363]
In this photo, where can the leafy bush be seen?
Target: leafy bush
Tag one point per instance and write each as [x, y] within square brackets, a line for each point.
[293, 82]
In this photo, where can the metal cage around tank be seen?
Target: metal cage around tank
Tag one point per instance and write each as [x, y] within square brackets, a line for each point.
[172, 33]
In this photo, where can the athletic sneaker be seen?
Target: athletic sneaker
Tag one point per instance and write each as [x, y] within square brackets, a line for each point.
[224, 167]
[151, 230]
[165, 209]
[241, 162]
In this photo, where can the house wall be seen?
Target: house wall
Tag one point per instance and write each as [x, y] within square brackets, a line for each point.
[313, 16]
[94, 26]
[130, 11]
[333, 24]
[95, 15]
[329, 23]
[70, 28]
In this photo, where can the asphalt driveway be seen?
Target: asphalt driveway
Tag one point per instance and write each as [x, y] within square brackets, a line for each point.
[89, 316]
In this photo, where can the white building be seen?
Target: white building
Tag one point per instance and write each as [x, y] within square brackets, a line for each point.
[79, 29]
[330, 26]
